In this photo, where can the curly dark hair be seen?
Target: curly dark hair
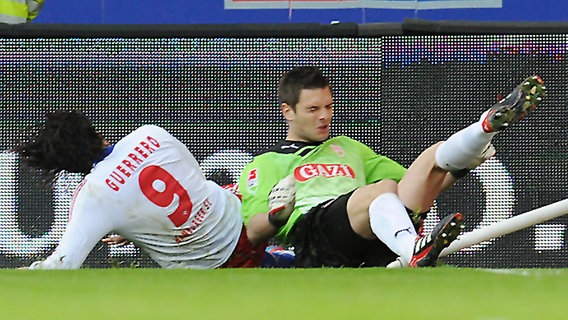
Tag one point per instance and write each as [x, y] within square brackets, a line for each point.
[66, 141]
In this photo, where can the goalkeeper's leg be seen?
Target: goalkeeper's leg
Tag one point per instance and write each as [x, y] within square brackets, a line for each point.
[439, 166]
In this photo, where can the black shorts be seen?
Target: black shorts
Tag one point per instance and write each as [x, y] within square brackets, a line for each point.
[323, 237]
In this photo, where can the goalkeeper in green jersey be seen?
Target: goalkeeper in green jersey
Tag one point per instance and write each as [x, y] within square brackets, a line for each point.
[351, 207]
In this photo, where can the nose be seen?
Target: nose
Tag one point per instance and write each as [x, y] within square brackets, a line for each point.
[325, 115]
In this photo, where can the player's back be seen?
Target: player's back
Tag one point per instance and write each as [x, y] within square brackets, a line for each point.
[152, 190]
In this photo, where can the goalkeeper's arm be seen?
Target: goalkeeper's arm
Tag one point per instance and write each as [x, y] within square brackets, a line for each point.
[282, 201]
[259, 230]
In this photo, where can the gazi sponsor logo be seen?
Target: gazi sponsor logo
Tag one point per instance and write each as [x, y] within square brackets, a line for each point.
[308, 171]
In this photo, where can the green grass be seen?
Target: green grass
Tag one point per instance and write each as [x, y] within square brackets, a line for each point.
[438, 293]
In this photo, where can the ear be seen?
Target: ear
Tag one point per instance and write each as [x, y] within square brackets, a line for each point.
[287, 112]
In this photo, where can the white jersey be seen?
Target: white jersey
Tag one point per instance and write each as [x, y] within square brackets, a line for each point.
[150, 190]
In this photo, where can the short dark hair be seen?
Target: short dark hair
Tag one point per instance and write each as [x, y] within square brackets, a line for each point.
[66, 141]
[297, 79]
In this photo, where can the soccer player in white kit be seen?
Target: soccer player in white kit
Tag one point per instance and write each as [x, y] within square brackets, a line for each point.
[148, 188]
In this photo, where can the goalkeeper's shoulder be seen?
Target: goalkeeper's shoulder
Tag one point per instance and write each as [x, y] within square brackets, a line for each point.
[269, 167]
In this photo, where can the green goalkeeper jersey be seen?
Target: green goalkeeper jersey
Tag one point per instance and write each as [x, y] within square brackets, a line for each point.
[323, 171]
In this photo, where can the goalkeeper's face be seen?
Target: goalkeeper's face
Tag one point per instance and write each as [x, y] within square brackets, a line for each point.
[311, 119]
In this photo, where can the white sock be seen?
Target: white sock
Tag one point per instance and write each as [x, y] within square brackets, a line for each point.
[462, 147]
[392, 225]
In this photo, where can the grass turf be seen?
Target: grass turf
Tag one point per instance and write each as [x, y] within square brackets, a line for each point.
[436, 293]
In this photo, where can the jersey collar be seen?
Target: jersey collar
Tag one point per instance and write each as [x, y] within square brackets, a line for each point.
[290, 146]
[105, 154]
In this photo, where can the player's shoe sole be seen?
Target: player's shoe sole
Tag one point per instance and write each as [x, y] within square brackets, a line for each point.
[427, 248]
[524, 99]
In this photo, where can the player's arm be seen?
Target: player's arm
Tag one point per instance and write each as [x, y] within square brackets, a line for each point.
[255, 185]
[259, 230]
[281, 204]
[86, 227]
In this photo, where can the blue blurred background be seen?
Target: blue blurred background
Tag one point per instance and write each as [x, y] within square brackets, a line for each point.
[215, 12]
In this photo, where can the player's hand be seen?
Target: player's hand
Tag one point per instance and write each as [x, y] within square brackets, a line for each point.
[116, 240]
[282, 201]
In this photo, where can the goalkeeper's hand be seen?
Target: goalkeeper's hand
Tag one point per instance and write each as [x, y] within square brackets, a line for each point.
[117, 240]
[282, 201]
